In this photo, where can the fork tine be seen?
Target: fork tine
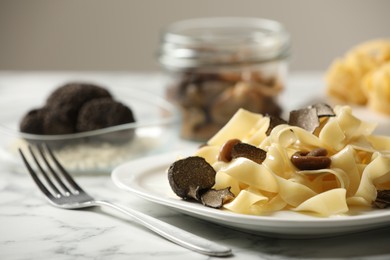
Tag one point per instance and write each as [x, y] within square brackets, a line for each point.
[44, 173]
[53, 172]
[63, 171]
[34, 175]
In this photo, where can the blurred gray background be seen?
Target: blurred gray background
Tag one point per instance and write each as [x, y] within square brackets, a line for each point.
[119, 35]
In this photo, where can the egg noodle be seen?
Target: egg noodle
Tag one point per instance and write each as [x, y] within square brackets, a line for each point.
[360, 165]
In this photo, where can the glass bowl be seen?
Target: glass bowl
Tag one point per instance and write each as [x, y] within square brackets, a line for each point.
[97, 151]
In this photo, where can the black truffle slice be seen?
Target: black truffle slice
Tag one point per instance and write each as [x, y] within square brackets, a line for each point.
[225, 153]
[249, 151]
[32, 122]
[382, 199]
[305, 118]
[323, 110]
[274, 122]
[101, 113]
[188, 177]
[216, 198]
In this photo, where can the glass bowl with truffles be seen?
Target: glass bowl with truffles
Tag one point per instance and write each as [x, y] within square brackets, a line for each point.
[92, 128]
[218, 65]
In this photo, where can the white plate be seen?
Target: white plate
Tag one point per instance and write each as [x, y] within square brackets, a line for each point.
[148, 179]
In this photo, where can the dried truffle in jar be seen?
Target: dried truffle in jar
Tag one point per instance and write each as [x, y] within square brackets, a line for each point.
[207, 100]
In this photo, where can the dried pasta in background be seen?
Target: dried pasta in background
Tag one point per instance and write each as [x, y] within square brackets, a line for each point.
[345, 77]
[376, 86]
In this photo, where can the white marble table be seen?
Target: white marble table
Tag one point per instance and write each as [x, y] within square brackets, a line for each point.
[32, 229]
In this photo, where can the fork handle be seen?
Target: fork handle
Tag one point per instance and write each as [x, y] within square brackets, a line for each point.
[172, 233]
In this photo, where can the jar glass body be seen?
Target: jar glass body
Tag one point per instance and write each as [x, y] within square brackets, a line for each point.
[210, 79]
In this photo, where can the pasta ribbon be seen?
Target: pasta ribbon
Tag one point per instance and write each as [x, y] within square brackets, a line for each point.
[251, 174]
[327, 203]
[360, 165]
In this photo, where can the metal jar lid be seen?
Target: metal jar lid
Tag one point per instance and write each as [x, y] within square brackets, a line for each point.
[208, 42]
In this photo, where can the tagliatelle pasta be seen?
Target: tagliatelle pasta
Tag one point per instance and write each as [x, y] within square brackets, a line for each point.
[360, 165]
[362, 76]
[346, 75]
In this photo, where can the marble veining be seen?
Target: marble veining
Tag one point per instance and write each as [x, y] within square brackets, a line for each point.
[30, 228]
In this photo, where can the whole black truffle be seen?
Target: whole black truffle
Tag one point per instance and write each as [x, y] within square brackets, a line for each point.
[67, 101]
[76, 107]
[32, 122]
[75, 95]
[102, 113]
[59, 120]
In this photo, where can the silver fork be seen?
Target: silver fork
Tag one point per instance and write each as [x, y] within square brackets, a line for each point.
[63, 192]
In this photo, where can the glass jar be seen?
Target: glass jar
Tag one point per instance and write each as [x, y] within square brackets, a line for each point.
[218, 65]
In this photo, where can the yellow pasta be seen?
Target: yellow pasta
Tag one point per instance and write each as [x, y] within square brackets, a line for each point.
[332, 201]
[260, 177]
[376, 86]
[360, 165]
[346, 76]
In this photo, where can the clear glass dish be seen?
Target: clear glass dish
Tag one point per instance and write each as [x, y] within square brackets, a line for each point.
[96, 151]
